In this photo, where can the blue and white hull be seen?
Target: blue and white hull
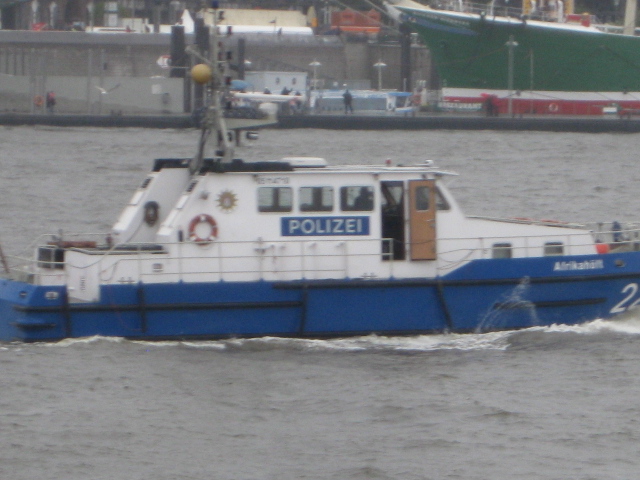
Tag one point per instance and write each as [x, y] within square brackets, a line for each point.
[218, 247]
[484, 295]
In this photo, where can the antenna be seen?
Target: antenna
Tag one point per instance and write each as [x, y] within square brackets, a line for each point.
[211, 73]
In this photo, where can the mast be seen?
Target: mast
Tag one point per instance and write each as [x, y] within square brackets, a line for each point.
[212, 73]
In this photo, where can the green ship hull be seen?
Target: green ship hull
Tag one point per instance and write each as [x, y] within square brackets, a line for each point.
[554, 67]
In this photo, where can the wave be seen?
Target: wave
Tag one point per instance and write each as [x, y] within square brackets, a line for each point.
[625, 325]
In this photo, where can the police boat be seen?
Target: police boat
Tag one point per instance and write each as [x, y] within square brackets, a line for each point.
[215, 247]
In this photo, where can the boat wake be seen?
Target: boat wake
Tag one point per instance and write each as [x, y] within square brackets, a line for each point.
[533, 337]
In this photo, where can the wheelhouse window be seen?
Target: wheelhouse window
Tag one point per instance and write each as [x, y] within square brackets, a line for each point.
[501, 250]
[275, 199]
[441, 202]
[354, 199]
[422, 198]
[392, 195]
[553, 248]
[316, 199]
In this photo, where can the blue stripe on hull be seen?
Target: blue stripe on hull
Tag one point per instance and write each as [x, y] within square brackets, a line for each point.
[187, 310]
[490, 295]
[371, 309]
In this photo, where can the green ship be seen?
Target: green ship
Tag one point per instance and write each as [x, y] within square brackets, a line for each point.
[519, 65]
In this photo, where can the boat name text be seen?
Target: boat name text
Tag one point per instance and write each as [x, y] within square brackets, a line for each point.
[318, 226]
[476, 107]
[272, 180]
[573, 265]
[446, 20]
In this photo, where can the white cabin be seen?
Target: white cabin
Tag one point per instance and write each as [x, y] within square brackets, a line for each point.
[298, 219]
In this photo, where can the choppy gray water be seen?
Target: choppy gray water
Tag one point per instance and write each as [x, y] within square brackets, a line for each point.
[544, 403]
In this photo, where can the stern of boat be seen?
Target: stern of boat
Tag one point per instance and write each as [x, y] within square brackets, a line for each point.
[31, 313]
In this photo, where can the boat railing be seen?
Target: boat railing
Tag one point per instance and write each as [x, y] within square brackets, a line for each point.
[491, 9]
[477, 8]
[273, 260]
[209, 261]
[296, 259]
[593, 238]
[62, 239]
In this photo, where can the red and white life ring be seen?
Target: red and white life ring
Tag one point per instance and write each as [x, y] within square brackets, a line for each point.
[553, 107]
[193, 226]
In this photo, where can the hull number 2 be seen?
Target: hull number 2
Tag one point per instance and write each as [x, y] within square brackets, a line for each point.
[628, 301]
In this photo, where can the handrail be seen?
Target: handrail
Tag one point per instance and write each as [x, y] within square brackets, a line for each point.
[491, 10]
[307, 258]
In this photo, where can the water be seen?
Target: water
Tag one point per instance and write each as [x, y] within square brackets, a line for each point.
[544, 403]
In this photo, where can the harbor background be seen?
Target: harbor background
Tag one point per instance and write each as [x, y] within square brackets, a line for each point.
[77, 65]
[540, 404]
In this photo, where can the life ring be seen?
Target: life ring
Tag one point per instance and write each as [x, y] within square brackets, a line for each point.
[553, 107]
[213, 229]
[38, 101]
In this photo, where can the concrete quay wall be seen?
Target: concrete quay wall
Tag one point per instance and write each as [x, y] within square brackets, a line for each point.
[76, 65]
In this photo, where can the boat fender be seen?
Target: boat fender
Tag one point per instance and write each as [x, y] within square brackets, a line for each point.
[151, 213]
[602, 248]
[213, 229]
[38, 101]
[553, 107]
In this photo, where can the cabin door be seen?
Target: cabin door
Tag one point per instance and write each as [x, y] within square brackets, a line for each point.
[422, 219]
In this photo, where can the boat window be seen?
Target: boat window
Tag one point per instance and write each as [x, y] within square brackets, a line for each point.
[422, 198]
[275, 199]
[553, 248]
[316, 199]
[501, 250]
[441, 202]
[392, 193]
[356, 199]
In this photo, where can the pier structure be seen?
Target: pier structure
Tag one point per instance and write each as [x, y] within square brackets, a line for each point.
[128, 73]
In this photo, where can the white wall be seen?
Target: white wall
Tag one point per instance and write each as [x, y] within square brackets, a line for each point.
[276, 81]
[82, 95]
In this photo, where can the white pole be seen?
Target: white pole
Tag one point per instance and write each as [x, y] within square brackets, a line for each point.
[630, 17]
[511, 44]
[380, 65]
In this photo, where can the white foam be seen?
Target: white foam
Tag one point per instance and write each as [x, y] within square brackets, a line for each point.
[68, 342]
[628, 323]
[625, 324]
[419, 343]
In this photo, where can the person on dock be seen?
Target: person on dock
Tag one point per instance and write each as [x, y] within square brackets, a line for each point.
[348, 101]
[491, 105]
[51, 102]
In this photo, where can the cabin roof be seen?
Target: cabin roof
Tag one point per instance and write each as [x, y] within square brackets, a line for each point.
[297, 164]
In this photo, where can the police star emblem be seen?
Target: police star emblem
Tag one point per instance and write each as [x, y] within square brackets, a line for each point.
[227, 201]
